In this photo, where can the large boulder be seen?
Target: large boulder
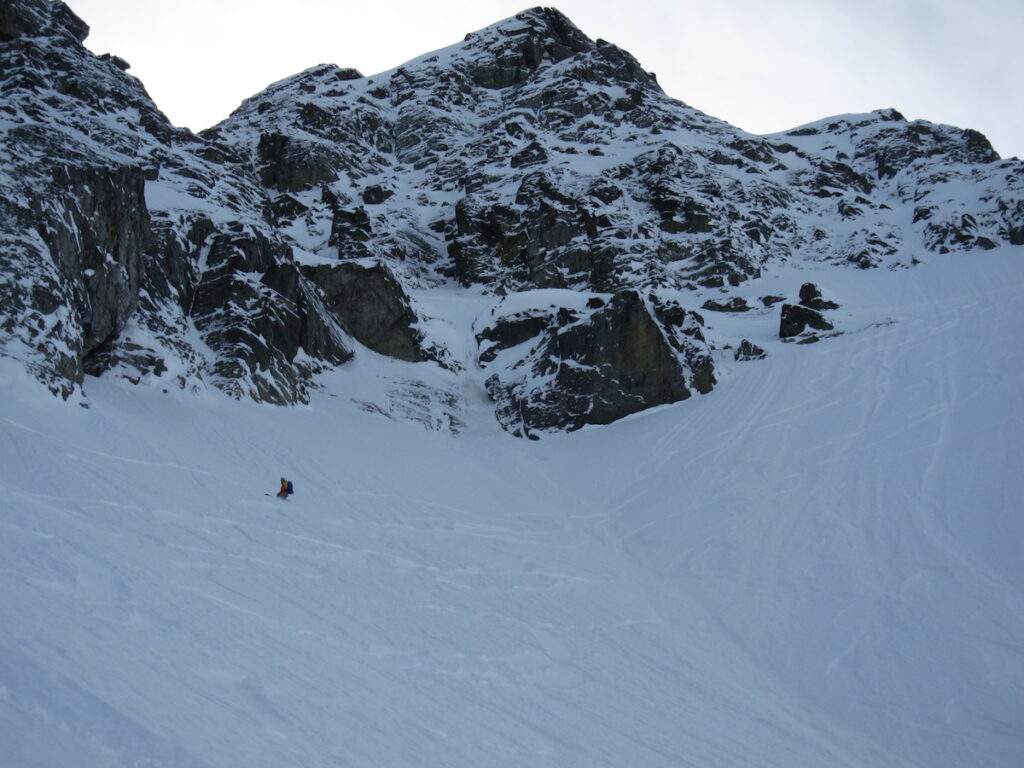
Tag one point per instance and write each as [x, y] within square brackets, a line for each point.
[560, 368]
[735, 304]
[795, 319]
[810, 296]
[748, 350]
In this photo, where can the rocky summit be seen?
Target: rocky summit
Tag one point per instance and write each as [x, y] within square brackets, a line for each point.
[540, 173]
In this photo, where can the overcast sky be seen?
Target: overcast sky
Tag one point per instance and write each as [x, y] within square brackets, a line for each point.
[763, 65]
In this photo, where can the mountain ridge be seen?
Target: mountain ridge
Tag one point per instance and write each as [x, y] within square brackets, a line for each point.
[527, 157]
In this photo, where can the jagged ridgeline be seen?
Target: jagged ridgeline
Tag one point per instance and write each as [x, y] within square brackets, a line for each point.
[540, 170]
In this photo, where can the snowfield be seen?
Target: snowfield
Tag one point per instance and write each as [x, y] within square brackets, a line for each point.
[817, 564]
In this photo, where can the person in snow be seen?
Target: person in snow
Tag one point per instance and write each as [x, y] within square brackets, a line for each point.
[283, 493]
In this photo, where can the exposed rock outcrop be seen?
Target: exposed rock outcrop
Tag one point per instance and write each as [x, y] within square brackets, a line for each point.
[289, 164]
[563, 368]
[810, 296]
[735, 304]
[795, 319]
[374, 308]
[136, 235]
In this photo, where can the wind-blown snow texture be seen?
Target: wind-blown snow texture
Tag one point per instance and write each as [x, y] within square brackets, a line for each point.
[815, 563]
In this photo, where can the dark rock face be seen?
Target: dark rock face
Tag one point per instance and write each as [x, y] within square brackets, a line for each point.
[547, 34]
[961, 233]
[100, 234]
[22, 17]
[511, 331]
[84, 243]
[810, 296]
[545, 241]
[351, 233]
[373, 307]
[375, 194]
[573, 367]
[795, 319]
[258, 327]
[40, 17]
[288, 164]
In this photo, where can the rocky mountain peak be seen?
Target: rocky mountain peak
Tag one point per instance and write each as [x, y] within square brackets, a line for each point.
[510, 52]
[548, 173]
[507, 53]
[548, 27]
[40, 17]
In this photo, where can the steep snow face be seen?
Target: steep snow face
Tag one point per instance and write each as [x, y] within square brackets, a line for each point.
[815, 565]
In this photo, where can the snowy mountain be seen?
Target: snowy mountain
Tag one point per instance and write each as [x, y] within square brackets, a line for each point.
[771, 552]
[528, 162]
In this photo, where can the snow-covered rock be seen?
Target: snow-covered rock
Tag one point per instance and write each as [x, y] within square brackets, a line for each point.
[560, 367]
[132, 245]
[526, 157]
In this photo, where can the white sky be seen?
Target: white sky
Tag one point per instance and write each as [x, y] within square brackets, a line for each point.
[764, 66]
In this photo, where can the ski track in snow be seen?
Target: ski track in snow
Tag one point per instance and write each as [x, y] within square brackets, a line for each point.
[815, 565]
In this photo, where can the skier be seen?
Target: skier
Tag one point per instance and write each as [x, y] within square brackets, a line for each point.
[285, 489]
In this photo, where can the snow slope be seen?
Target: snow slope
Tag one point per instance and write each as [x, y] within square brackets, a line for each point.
[817, 564]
